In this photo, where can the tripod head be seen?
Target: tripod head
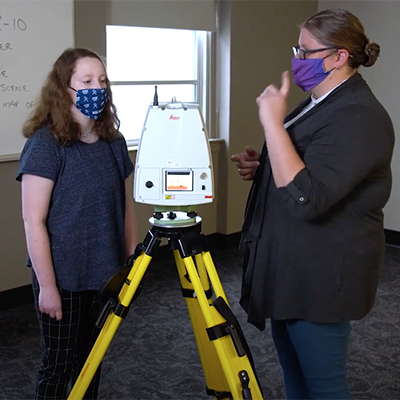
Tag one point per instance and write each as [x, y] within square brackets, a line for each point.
[173, 164]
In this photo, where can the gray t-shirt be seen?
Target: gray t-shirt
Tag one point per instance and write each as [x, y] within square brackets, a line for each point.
[86, 218]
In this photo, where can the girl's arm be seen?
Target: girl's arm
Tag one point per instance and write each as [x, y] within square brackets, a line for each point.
[36, 194]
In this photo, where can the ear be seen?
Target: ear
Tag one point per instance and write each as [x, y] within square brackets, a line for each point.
[342, 57]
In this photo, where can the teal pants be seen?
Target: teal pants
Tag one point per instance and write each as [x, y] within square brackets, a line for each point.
[313, 358]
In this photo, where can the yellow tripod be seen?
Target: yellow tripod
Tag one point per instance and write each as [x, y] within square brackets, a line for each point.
[225, 357]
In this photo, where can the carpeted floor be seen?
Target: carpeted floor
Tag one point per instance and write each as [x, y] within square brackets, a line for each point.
[153, 355]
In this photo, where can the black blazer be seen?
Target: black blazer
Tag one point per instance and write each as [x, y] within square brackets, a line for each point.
[313, 248]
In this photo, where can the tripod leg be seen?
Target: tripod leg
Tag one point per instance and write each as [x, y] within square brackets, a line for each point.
[214, 278]
[213, 373]
[110, 327]
[248, 378]
[234, 363]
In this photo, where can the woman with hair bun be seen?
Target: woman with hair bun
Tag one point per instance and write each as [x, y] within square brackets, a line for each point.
[313, 237]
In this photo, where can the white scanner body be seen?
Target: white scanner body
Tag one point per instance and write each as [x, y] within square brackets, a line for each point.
[173, 163]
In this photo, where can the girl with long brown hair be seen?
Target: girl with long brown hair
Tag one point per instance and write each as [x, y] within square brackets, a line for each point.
[78, 212]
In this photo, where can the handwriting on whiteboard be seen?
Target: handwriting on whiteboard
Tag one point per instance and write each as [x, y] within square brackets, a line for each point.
[16, 24]
[9, 91]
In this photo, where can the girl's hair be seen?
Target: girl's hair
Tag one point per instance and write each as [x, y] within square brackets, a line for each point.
[53, 107]
[342, 30]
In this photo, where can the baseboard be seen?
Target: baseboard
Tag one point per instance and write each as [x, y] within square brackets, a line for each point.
[392, 237]
[217, 242]
[16, 297]
[23, 295]
[221, 242]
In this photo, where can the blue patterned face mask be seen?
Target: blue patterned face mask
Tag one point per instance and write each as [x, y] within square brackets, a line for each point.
[91, 102]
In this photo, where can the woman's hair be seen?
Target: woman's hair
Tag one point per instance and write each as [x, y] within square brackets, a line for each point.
[342, 30]
[53, 107]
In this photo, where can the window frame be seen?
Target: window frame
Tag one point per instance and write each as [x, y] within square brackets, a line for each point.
[202, 85]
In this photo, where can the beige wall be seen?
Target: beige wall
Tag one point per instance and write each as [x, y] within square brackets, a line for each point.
[260, 35]
[12, 241]
[91, 32]
[381, 23]
[255, 47]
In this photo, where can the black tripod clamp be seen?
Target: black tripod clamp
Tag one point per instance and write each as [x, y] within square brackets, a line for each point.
[232, 327]
[108, 294]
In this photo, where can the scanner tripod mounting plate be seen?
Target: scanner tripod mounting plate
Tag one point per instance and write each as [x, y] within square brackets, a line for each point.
[224, 354]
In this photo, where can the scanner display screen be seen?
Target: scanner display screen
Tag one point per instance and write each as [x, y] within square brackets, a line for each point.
[179, 181]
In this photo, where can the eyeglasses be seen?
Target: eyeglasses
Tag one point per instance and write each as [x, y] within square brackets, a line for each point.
[301, 54]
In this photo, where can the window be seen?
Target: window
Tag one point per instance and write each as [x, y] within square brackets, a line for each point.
[138, 59]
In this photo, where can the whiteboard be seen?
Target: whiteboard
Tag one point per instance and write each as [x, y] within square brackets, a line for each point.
[33, 34]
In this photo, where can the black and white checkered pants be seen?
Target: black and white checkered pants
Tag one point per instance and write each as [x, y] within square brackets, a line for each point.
[66, 344]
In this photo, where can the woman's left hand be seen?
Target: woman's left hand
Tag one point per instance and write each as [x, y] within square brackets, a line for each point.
[272, 104]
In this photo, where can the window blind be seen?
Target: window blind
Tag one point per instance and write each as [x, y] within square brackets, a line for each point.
[177, 14]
